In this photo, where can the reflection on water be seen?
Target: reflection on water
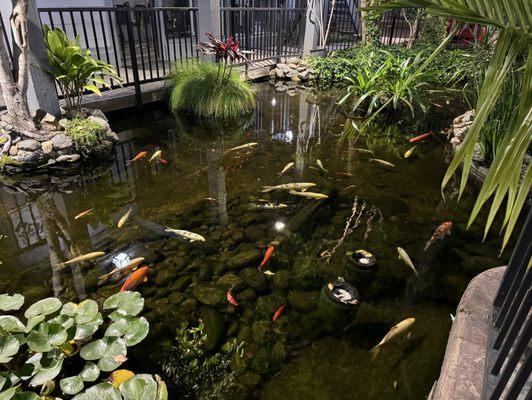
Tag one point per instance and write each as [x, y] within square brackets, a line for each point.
[208, 190]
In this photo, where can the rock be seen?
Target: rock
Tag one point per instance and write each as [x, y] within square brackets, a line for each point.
[303, 301]
[247, 297]
[261, 362]
[29, 145]
[303, 75]
[244, 259]
[281, 279]
[272, 72]
[293, 65]
[266, 306]
[231, 280]
[282, 66]
[209, 294]
[62, 142]
[254, 233]
[249, 379]
[96, 112]
[70, 158]
[165, 276]
[278, 352]
[188, 306]
[214, 327]
[100, 121]
[47, 147]
[29, 157]
[262, 331]
[253, 278]
[301, 68]
[182, 283]
[295, 79]
[49, 123]
[279, 73]
[63, 123]
[175, 298]
[113, 137]
[305, 272]
[13, 150]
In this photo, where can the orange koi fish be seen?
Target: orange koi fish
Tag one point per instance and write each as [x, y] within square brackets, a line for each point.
[419, 138]
[278, 313]
[230, 297]
[267, 257]
[441, 231]
[135, 279]
[84, 213]
[139, 156]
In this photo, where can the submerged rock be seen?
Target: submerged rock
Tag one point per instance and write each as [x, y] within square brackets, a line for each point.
[209, 294]
[214, 327]
[231, 280]
[165, 276]
[244, 259]
[262, 331]
[303, 301]
[252, 277]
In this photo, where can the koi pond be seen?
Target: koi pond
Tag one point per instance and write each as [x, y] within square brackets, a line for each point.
[295, 340]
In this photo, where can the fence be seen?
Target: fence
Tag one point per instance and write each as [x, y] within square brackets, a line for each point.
[399, 26]
[509, 358]
[346, 27]
[267, 29]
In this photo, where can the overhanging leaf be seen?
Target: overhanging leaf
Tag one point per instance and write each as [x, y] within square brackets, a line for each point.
[10, 303]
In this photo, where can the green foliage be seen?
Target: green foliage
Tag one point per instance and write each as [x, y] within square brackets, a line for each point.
[5, 160]
[512, 21]
[199, 374]
[86, 134]
[209, 90]
[58, 339]
[74, 69]
[449, 67]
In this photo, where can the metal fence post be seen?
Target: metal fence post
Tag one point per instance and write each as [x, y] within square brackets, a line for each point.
[133, 53]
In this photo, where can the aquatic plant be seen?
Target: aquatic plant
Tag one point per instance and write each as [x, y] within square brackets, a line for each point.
[209, 90]
[66, 343]
[199, 374]
[85, 134]
[74, 69]
[513, 37]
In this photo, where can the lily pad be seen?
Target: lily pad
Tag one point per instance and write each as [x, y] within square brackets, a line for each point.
[10, 303]
[101, 391]
[33, 322]
[87, 311]
[45, 374]
[106, 347]
[140, 387]
[26, 396]
[8, 394]
[85, 330]
[90, 372]
[48, 335]
[134, 330]
[128, 303]
[12, 324]
[43, 307]
[8, 348]
[72, 385]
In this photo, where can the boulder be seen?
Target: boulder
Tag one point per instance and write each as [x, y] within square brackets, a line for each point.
[47, 147]
[231, 280]
[253, 278]
[265, 306]
[62, 142]
[49, 123]
[262, 331]
[303, 301]
[113, 137]
[209, 294]
[182, 283]
[29, 145]
[244, 259]
[254, 233]
[96, 112]
[305, 272]
[100, 121]
[165, 276]
[214, 327]
[279, 73]
[70, 158]
[281, 279]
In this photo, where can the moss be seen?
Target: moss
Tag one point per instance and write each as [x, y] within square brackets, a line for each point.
[85, 134]
[5, 160]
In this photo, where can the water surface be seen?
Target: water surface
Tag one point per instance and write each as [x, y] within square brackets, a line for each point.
[207, 189]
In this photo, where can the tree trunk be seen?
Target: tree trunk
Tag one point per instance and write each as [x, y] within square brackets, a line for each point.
[15, 91]
[364, 28]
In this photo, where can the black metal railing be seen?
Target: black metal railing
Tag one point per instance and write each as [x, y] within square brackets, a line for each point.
[509, 353]
[267, 29]
[345, 27]
[399, 26]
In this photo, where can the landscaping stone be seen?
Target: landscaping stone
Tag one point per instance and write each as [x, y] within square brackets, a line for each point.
[29, 145]
[47, 147]
[69, 158]
[214, 326]
[62, 142]
[209, 294]
[244, 259]
[100, 121]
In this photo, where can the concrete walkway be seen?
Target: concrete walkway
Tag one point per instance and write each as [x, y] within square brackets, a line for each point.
[462, 372]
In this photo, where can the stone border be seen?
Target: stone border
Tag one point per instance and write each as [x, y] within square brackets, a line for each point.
[462, 372]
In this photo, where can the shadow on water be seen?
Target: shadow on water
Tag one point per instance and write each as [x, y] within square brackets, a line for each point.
[209, 190]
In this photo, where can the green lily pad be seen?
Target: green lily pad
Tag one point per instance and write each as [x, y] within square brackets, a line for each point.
[128, 303]
[87, 311]
[90, 372]
[72, 385]
[69, 309]
[85, 330]
[8, 347]
[140, 387]
[101, 391]
[43, 307]
[10, 303]
[134, 330]
[48, 373]
[26, 396]
[46, 336]
[11, 324]
[33, 322]
[106, 347]
[8, 394]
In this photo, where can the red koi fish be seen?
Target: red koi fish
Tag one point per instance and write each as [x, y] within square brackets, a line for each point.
[278, 313]
[163, 161]
[419, 138]
[139, 156]
[343, 174]
[230, 297]
[135, 279]
[441, 231]
[267, 257]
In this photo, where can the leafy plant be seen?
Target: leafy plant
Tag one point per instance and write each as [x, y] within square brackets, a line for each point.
[74, 70]
[202, 89]
[86, 134]
[58, 339]
[512, 22]
[197, 373]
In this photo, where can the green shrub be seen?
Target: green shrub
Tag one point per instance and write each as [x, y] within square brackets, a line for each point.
[449, 67]
[208, 90]
[86, 135]
[74, 69]
[67, 343]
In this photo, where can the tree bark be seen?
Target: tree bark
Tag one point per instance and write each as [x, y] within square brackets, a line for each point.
[15, 91]
[364, 28]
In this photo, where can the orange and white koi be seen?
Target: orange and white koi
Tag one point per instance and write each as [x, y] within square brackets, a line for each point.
[84, 213]
[156, 155]
[140, 155]
[230, 297]
[267, 257]
[419, 138]
[441, 231]
[120, 271]
[278, 313]
[135, 279]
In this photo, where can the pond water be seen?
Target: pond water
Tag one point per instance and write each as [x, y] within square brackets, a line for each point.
[316, 349]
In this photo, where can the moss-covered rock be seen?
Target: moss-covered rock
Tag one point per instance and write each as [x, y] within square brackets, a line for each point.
[303, 301]
[231, 280]
[262, 331]
[214, 327]
[244, 259]
[209, 294]
[253, 278]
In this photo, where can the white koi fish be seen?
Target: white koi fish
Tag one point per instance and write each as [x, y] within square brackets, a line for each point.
[193, 237]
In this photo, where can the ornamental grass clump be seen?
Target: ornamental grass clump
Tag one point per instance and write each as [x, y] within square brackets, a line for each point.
[208, 89]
